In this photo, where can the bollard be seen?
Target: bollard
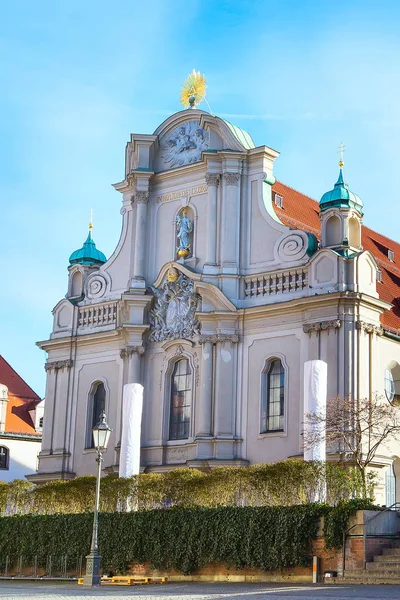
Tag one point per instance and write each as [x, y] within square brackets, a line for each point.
[315, 569]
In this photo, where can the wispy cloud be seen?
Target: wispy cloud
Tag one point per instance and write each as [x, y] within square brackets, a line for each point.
[276, 117]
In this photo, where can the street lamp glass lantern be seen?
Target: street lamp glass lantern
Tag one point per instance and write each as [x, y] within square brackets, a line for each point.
[101, 433]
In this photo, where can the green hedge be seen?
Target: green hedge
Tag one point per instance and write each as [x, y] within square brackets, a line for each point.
[288, 482]
[182, 539]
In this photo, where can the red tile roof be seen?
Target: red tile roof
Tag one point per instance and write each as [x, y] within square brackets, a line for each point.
[21, 400]
[302, 212]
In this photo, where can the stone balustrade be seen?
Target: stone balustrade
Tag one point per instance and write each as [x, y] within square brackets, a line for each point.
[279, 282]
[97, 315]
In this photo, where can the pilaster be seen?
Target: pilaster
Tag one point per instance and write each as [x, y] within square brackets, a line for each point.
[212, 180]
[225, 395]
[140, 199]
[204, 408]
[132, 355]
[229, 250]
[52, 456]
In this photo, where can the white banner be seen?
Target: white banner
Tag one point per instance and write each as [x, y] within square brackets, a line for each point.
[129, 459]
[315, 392]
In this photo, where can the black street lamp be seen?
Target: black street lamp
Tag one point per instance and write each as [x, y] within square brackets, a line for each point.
[101, 435]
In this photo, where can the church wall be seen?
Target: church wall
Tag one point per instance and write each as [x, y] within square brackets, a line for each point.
[108, 368]
[120, 264]
[260, 237]
[258, 349]
[23, 458]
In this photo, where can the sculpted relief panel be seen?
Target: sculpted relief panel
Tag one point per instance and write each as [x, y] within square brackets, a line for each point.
[184, 144]
[173, 315]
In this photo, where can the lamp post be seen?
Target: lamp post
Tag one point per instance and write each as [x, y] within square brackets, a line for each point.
[101, 435]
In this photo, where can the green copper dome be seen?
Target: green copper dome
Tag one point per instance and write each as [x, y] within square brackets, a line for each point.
[88, 254]
[341, 197]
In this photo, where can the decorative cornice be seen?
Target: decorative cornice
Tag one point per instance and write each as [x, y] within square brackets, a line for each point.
[213, 178]
[142, 197]
[231, 178]
[129, 350]
[58, 364]
[369, 327]
[321, 326]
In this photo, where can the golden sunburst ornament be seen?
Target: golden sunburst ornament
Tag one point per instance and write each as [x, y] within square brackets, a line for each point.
[193, 90]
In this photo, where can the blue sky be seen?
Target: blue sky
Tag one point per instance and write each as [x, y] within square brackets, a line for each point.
[78, 77]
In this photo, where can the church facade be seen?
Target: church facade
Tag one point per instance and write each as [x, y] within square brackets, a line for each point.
[223, 284]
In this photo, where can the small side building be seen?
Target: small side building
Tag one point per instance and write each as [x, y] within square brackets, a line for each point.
[21, 423]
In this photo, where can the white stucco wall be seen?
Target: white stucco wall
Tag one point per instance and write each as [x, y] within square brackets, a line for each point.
[23, 458]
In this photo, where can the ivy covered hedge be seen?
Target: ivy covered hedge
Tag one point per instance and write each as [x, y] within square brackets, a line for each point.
[182, 539]
[289, 482]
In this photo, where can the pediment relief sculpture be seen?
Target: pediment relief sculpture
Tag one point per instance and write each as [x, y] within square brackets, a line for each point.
[184, 144]
[176, 303]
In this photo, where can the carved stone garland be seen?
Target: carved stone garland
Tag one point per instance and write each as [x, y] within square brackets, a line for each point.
[173, 315]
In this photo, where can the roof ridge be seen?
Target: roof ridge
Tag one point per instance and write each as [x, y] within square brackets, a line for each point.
[382, 235]
[297, 191]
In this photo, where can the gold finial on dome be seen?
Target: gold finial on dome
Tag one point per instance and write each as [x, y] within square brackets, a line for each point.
[342, 148]
[193, 90]
[91, 220]
[173, 273]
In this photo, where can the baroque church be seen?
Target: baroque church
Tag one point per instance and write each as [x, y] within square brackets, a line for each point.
[223, 284]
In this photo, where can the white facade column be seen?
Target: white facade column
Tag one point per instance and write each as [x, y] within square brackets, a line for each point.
[212, 180]
[229, 249]
[141, 199]
[204, 412]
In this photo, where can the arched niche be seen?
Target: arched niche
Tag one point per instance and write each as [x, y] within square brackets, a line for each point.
[354, 233]
[333, 231]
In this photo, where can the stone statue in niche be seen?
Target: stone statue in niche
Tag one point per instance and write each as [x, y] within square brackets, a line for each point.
[184, 229]
[176, 302]
[185, 144]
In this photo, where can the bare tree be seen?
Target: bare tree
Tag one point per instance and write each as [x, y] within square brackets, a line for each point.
[355, 429]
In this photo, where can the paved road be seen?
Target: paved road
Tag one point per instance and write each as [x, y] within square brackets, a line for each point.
[199, 591]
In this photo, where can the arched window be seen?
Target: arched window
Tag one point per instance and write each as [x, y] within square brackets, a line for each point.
[181, 401]
[76, 285]
[273, 397]
[389, 385]
[96, 405]
[392, 383]
[4, 457]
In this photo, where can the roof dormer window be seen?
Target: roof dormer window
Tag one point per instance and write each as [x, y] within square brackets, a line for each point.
[278, 199]
[391, 255]
[379, 276]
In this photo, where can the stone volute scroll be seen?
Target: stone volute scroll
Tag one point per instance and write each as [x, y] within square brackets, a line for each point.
[176, 303]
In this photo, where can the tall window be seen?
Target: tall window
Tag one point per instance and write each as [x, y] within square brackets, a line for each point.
[390, 486]
[97, 403]
[181, 400]
[389, 385]
[4, 457]
[273, 401]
